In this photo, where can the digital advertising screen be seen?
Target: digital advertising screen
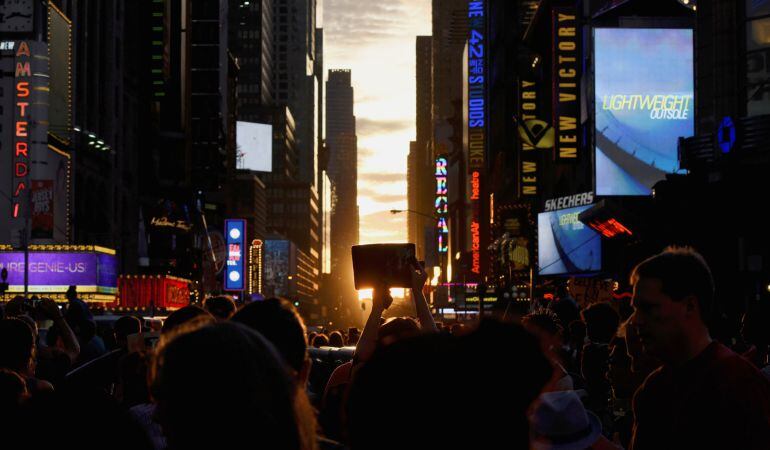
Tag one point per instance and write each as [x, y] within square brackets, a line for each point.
[54, 272]
[644, 102]
[255, 146]
[567, 246]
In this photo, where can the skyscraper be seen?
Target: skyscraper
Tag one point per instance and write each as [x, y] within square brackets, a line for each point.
[294, 81]
[251, 42]
[420, 179]
[296, 87]
[342, 145]
[450, 32]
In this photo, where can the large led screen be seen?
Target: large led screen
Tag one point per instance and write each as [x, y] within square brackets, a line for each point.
[56, 271]
[566, 245]
[255, 146]
[644, 103]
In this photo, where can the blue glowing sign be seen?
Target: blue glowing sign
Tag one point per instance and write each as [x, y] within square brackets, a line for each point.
[235, 235]
[726, 135]
[476, 85]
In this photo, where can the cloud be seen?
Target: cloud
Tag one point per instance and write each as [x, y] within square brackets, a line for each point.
[382, 226]
[384, 198]
[369, 177]
[365, 152]
[381, 126]
[356, 21]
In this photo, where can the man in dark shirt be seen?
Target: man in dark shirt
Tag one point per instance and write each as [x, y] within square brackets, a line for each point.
[704, 395]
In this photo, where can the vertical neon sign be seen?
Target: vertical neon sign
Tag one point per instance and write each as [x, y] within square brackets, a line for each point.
[21, 129]
[235, 234]
[476, 120]
[442, 231]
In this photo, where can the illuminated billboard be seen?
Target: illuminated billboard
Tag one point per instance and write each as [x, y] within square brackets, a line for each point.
[255, 146]
[277, 268]
[644, 103]
[566, 245]
[54, 271]
[235, 236]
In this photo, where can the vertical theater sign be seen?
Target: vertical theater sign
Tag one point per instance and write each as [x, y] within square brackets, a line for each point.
[477, 118]
[25, 117]
[442, 204]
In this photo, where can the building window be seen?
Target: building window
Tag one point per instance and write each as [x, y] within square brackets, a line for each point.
[758, 57]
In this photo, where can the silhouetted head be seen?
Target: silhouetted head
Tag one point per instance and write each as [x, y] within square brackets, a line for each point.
[382, 411]
[336, 339]
[184, 315]
[222, 307]
[223, 385]
[396, 329]
[673, 301]
[320, 340]
[17, 346]
[278, 321]
[124, 327]
[601, 321]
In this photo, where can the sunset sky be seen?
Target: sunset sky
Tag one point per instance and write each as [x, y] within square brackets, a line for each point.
[376, 40]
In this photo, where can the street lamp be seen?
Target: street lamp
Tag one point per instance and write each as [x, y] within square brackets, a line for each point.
[397, 211]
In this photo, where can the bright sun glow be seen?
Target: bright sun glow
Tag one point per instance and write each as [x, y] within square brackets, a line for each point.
[396, 293]
[376, 40]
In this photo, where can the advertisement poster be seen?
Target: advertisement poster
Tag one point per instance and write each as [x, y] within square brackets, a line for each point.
[566, 245]
[514, 247]
[42, 209]
[644, 103]
[276, 266]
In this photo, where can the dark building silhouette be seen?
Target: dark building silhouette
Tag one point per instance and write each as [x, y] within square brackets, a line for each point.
[342, 145]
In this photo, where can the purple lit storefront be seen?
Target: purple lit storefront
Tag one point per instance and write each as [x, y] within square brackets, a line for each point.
[52, 269]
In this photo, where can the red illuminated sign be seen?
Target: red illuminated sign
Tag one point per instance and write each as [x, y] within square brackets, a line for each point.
[476, 248]
[610, 228]
[21, 128]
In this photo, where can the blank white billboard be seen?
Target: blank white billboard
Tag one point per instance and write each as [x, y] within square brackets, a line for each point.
[255, 146]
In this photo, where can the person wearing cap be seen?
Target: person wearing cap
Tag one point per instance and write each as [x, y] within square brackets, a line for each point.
[559, 421]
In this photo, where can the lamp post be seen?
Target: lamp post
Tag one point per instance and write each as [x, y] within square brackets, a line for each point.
[429, 216]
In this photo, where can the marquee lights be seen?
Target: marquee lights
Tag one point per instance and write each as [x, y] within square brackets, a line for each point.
[255, 266]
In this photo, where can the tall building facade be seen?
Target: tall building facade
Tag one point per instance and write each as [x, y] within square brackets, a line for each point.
[421, 184]
[251, 42]
[450, 33]
[296, 87]
[295, 82]
[342, 145]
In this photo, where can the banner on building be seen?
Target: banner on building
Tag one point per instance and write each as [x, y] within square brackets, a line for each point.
[42, 209]
[535, 135]
[566, 83]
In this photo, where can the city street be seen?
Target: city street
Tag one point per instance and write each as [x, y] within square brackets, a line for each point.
[378, 224]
